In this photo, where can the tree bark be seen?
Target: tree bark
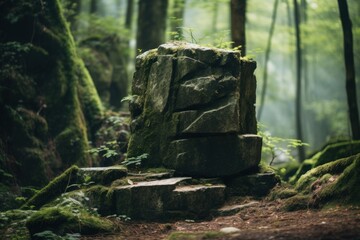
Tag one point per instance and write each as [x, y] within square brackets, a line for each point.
[177, 19]
[151, 24]
[350, 69]
[93, 6]
[238, 11]
[298, 102]
[267, 56]
[129, 14]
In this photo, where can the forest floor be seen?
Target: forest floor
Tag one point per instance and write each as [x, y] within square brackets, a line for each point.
[265, 220]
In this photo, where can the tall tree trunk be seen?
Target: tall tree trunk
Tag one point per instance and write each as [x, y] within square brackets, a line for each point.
[93, 6]
[238, 11]
[267, 56]
[129, 14]
[151, 24]
[298, 102]
[350, 69]
[304, 50]
[177, 19]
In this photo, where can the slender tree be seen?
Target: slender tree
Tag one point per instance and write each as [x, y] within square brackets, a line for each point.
[177, 19]
[298, 102]
[129, 14]
[238, 10]
[151, 24]
[350, 69]
[267, 56]
[93, 6]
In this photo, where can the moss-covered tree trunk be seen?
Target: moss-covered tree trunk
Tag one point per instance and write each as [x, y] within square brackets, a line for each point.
[48, 102]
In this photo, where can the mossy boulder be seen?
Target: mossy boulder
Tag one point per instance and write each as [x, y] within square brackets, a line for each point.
[48, 102]
[337, 181]
[193, 110]
[330, 153]
[62, 220]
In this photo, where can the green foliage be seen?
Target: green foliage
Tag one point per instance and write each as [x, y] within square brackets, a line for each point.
[135, 161]
[273, 147]
[107, 151]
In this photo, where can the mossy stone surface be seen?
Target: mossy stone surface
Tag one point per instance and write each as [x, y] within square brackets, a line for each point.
[190, 101]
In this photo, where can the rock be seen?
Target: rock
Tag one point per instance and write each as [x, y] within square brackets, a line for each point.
[193, 111]
[257, 185]
[168, 198]
[196, 201]
[233, 209]
[229, 230]
[145, 200]
[213, 156]
[103, 175]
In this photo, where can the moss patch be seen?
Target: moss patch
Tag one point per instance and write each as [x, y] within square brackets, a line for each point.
[55, 188]
[67, 220]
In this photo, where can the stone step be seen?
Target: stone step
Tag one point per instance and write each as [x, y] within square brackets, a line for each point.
[168, 198]
[103, 175]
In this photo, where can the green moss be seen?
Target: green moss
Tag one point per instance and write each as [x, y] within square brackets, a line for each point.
[282, 193]
[336, 167]
[195, 236]
[51, 94]
[330, 153]
[304, 167]
[12, 218]
[62, 220]
[101, 198]
[55, 188]
[297, 202]
[346, 188]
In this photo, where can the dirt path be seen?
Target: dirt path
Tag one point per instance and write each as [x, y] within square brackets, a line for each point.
[264, 221]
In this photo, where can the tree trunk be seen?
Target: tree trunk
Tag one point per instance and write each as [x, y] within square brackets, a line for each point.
[74, 8]
[298, 102]
[50, 99]
[267, 56]
[151, 24]
[350, 69]
[238, 11]
[177, 19]
[93, 6]
[129, 14]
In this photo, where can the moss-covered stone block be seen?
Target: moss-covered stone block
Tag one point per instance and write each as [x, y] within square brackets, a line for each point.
[104, 175]
[193, 110]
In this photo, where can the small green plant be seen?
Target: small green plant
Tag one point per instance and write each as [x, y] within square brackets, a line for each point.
[276, 146]
[135, 161]
[107, 151]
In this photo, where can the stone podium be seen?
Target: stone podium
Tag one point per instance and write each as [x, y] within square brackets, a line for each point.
[193, 110]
